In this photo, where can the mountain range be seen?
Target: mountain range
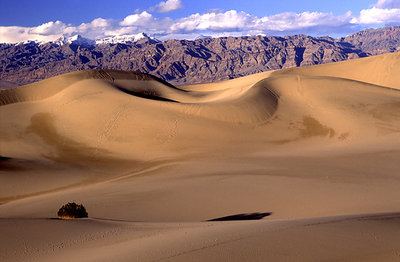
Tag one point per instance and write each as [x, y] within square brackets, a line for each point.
[82, 41]
[184, 61]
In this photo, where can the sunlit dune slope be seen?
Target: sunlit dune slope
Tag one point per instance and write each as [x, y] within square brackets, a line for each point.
[382, 70]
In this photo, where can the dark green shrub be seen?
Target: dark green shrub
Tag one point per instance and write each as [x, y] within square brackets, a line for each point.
[71, 211]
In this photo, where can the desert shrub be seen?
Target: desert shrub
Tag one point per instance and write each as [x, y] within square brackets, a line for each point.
[71, 211]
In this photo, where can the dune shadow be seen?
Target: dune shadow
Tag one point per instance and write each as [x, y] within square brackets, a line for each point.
[11, 164]
[147, 95]
[245, 216]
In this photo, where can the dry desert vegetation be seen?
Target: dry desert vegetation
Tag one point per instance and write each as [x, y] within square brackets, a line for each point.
[300, 164]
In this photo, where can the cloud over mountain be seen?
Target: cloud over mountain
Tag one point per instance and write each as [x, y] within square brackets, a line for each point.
[377, 15]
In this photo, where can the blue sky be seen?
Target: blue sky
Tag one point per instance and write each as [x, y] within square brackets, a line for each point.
[33, 13]
[47, 20]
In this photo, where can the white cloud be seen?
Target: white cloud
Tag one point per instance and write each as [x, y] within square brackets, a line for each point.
[93, 30]
[49, 28]
[377, 15]
[234, 21]
[51, 31]
[169, 6]
[389, 4]
[137, 19]
[228, 21]
[44, 32]
[13, 34]
[142, 22]
[292, 21]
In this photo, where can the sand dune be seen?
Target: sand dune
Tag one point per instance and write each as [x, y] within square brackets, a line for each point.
[348, 238]
[300, 143]
[381, 70]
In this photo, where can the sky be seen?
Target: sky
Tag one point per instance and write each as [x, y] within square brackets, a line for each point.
[46, 20]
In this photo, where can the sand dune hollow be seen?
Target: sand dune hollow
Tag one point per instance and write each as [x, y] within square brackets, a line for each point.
[293, 148]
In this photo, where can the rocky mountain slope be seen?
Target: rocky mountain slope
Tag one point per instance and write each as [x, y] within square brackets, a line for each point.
[188, 62]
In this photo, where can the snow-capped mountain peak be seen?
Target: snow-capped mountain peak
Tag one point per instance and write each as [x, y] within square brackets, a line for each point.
[83, 41]
[76, 39]
[123, 39]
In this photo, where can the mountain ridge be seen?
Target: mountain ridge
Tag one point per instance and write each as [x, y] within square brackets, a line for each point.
[189, 62]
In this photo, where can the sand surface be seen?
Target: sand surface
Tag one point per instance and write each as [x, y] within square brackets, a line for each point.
[307, 159]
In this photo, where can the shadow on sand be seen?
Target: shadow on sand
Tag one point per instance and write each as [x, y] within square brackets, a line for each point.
[248, 216]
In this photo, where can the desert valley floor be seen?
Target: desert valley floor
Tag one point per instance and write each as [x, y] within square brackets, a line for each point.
[313, 151]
